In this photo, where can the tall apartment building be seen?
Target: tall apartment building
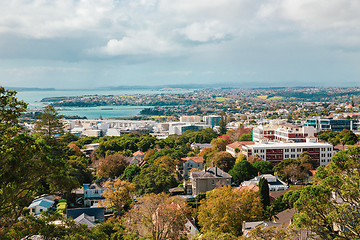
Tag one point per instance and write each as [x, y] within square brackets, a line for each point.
[275, 152]
[323, 124]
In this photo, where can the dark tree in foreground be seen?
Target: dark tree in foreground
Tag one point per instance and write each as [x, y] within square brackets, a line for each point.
[264, 192]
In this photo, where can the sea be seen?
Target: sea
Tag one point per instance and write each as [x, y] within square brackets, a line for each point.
[33, 98]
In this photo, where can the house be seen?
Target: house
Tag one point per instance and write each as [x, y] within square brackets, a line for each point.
[192, 230]
[188, 163]
[86, 219]
[201, 146]
[42, 204]
[88, 216]
[248, 226]
[93, 192]
[208, 179]
[275, 184]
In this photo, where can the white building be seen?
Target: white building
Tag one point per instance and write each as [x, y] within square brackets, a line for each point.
[275, 184]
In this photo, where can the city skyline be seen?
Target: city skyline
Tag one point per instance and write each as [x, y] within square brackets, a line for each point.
[92, 44]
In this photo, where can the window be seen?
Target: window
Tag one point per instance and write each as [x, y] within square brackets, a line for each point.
[292, 150]
[96, 191]
[299, 150]
[41, 209]
[286, 150]
[213, 182]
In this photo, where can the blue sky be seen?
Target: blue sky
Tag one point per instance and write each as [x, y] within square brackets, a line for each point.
[242, 43]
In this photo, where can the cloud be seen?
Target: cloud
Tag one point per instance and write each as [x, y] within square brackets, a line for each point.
[139, 43]
[206, 32]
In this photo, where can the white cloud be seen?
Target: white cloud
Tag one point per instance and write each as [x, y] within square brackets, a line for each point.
[205, 32]
[139, 43]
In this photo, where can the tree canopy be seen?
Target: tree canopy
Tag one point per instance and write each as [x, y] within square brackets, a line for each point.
[224, 210]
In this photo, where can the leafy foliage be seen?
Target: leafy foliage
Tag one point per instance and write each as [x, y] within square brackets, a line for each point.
[154, 179]
[112, 166]
[158, 217]
[242, 171]
[224, 210]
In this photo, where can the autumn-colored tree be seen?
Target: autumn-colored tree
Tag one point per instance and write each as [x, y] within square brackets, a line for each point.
[219, 144]
[148, 154]
[76, 149]
[224, 210]
[241, 157]
[158, 217]
[118, 195]
[223, 160]
[226, 137]
[112, 165]
[207, 153]
[234, 134]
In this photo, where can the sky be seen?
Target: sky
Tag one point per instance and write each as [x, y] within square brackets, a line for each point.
[88, 44]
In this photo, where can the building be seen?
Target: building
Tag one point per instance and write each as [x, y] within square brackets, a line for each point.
[189, 163]
[275, 152]
[179, 128]
[41, 205]
[212, 120]
[208, 180]
[93, 192]
[275, 184]
[190, 119]
[323, 124]
[283, 133]
[235, 148]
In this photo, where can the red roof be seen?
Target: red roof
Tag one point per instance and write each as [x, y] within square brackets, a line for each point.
[195, 159]
[138, 153]
[250, 187]
[239, 145]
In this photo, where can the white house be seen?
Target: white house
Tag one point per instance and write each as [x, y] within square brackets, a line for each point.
[40, 205]
[275, 184]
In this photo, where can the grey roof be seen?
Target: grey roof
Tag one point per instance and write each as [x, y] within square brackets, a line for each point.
[253, 225]
[46, 203]
[211, 172]
[86, 219]
[97, 212]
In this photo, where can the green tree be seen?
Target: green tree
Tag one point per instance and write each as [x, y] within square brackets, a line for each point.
[331, 203]
[242, 171]
[10, 111]
[130, 172]
[264, 167]
[264, 192]
[154, 179]
[49, 124]
[246, 137]
[222, 125]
